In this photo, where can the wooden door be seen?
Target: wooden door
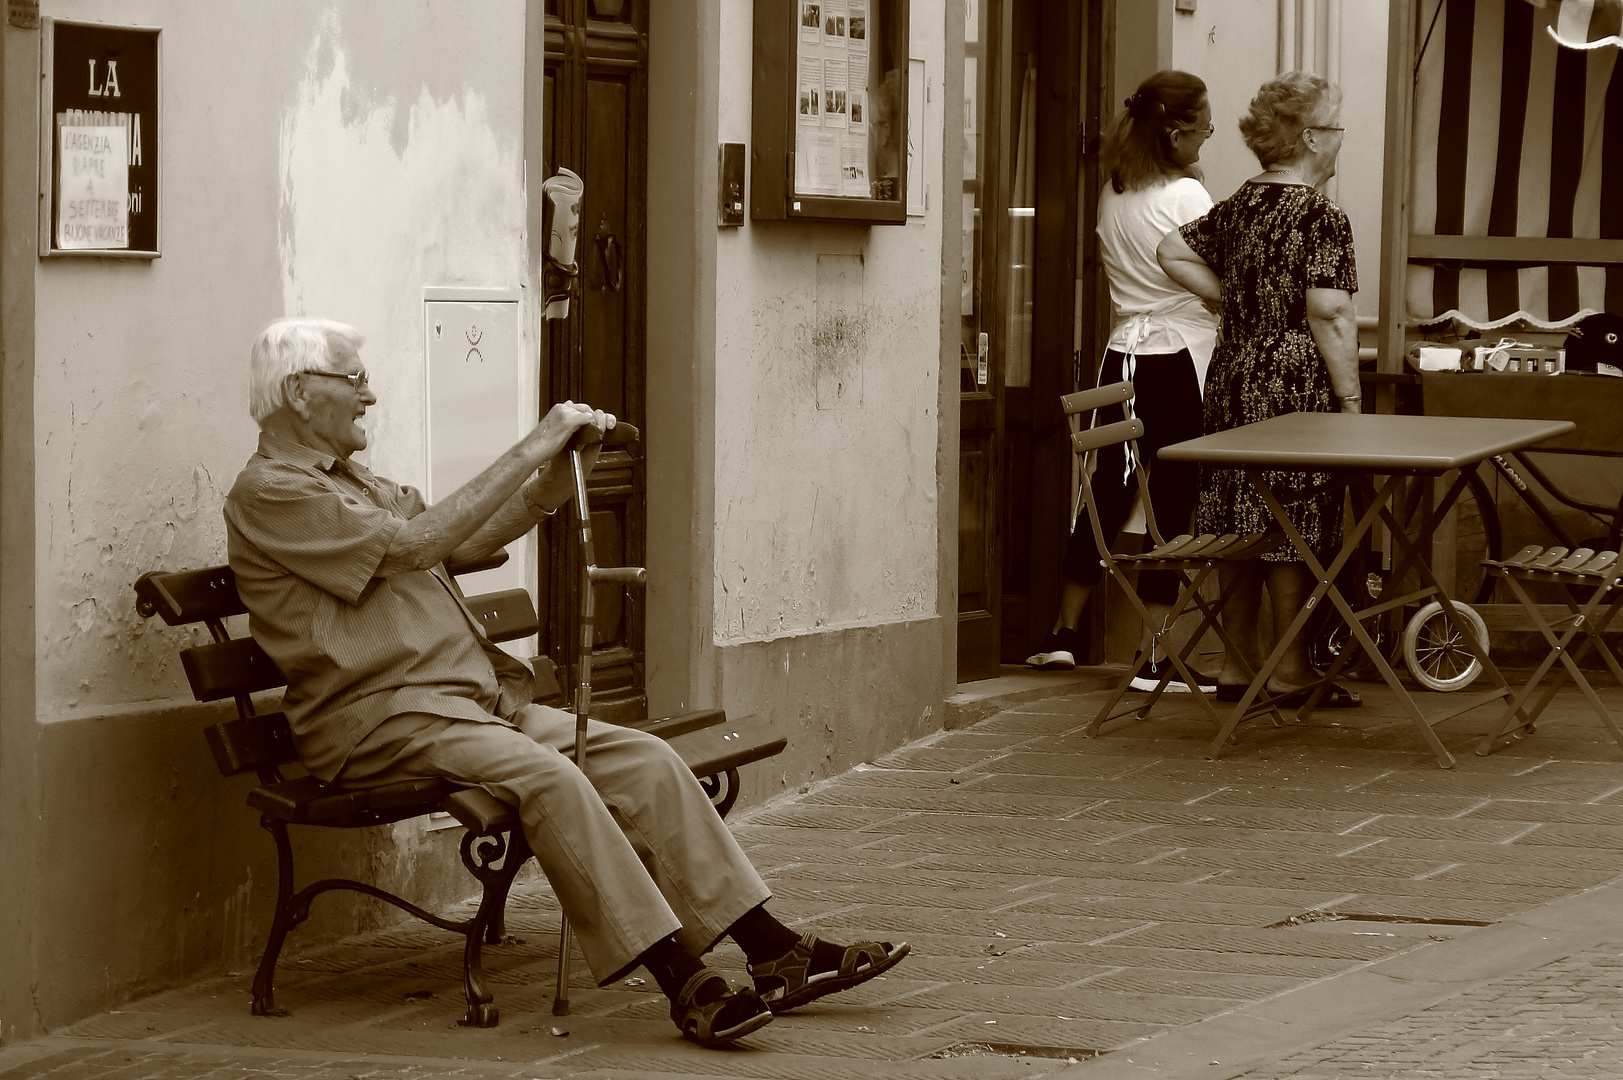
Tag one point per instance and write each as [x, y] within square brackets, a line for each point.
[594, 122]
[981, 344]
[1051, 40]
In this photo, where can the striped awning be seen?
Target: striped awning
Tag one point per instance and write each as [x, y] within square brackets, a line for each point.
[1516, 196]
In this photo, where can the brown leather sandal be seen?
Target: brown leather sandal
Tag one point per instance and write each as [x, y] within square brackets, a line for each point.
[788, 982]
[698, 1022]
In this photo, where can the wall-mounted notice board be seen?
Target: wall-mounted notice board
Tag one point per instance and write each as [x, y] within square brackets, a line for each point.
[829, 114]
[99, 140]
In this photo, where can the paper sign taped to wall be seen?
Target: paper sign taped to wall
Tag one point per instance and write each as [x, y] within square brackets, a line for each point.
[93, 187]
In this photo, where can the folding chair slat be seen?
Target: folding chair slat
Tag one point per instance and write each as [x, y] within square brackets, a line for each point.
[1097, 398]
[1174, 548]
[1522, 558]
[1253, 545]
[1575, 560]
[1550, 557]
[1599, 566]
[1210, 546]
[1108, 435]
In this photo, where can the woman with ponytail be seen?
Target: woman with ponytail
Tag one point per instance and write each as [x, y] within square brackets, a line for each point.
[1162, 339]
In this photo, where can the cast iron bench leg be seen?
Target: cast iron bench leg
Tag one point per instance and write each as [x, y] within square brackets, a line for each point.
[284, 920]
[479, 853]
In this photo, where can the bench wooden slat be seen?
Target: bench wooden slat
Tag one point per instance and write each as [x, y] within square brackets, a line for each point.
[670, 727]
[506, 615]
[228, 668]
[305, 800]
[252, 743]
[728, 746]
[189, 596]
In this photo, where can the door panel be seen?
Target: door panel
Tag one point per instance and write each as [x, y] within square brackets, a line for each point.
[596, 125]
[981, 344]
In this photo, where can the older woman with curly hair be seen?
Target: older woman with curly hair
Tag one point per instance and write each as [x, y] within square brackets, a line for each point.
[1277, 255]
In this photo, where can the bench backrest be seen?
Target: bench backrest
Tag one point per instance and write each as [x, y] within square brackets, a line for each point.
[238, 668]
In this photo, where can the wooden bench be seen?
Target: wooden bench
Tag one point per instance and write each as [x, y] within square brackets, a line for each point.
[493, 849]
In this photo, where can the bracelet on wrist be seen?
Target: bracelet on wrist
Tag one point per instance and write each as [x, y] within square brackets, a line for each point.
[1352, 397]
[530, 500]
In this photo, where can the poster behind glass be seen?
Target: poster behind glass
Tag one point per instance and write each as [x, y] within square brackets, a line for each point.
[848, 102]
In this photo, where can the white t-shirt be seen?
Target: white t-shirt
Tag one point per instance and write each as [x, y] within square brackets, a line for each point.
[1154, 314]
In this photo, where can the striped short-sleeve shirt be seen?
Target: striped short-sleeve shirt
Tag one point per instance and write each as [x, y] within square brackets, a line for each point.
[306, 534]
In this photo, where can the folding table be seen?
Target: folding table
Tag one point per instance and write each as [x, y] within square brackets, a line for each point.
[1375, 452]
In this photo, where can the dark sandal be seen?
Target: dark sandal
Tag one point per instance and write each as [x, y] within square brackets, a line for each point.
[698, 1022]
[788, 982]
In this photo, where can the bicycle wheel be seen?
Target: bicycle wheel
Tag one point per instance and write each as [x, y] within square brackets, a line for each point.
[1477, 536]
[1435, 651]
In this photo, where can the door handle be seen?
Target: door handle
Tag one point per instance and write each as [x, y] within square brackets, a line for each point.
[613, 254]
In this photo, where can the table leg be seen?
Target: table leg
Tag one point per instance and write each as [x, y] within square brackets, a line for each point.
[1325, 587]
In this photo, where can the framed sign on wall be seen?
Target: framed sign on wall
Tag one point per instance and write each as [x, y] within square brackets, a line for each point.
[99, 140]
[829, 113]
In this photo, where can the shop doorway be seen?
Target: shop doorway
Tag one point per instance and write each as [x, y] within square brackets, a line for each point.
[1033, 84]
[593, 111]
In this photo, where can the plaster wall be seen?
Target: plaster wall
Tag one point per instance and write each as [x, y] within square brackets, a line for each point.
[318, 157]
[827, 406]
[825, 493]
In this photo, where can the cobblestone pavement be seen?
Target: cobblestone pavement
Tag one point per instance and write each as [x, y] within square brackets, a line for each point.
[1111, 907]
[1563, 1020]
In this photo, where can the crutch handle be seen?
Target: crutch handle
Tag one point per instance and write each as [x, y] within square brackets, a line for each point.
[620, 434]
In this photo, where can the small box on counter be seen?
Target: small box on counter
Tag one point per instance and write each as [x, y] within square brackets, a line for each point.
[1517, 360]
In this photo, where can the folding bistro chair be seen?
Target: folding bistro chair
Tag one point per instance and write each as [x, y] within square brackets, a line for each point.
[1593, 593]
[1192, 558]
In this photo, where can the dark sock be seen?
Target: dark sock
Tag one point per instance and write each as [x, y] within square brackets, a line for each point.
[761, 936]
[764, 938]
[672, 966]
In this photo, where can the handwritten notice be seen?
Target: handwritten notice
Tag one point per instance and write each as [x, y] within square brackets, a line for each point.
[93, 187]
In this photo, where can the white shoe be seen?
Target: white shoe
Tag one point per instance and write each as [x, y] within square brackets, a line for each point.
[1056, 653]
[1058, 660]
[1144, 684]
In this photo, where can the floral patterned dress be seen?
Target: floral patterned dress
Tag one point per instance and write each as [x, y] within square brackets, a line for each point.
[1268, 245]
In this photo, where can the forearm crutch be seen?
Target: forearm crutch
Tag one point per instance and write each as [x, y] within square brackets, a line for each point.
[590, 575]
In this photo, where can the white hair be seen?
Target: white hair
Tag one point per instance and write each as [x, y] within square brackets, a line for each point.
[286, 347]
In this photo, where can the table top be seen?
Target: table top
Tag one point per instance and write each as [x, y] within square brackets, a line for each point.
[1372, 442]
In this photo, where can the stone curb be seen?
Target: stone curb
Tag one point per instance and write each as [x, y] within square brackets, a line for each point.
[1234, 1043]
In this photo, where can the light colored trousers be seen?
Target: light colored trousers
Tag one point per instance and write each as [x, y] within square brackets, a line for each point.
[633, 848]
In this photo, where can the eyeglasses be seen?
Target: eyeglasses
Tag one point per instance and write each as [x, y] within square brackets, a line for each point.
[1323, 127]
[357, 379]
[1204, 132]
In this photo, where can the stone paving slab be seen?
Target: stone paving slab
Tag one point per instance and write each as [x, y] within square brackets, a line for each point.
[1066, 897]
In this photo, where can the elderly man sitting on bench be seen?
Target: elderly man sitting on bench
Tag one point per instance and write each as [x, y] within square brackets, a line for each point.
[390, 678]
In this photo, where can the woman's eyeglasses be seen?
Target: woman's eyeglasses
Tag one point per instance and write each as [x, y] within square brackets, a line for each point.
[1323, 127]
[357, 379]
[1204, 132]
